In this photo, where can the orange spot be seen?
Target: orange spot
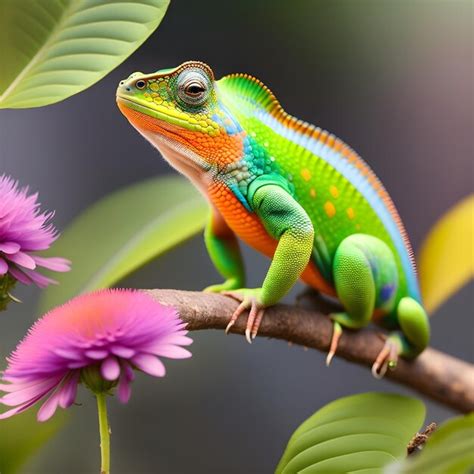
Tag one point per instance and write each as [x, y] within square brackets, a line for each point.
[334, 191]
[306, 174]
[330, 209]
[312, 192]
[348, 154]
[350, 213]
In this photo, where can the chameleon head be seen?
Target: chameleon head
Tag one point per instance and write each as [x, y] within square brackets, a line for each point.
[178, 110]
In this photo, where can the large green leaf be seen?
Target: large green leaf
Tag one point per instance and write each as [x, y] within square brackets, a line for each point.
[123, 231]
[52, 49]
[361, 433]
[21, 437]
[449, 450]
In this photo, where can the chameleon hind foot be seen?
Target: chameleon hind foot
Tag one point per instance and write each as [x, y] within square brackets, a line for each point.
[408, 342]
[387, 359]
[336, 335]
[250, 300]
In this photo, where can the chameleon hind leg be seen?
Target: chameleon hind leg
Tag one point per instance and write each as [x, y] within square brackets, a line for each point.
[409, 342]
[355, 287]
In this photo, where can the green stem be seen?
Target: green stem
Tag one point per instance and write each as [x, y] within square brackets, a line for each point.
[104, 433]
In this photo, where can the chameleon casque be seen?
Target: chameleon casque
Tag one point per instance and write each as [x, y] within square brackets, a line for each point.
[291, 191]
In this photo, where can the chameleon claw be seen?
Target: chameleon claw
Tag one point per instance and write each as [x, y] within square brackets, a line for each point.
[248, 301]
[258, 320]
[387, 359]
[227, 329]
[240, 309]
[379, 370]
[336, 335]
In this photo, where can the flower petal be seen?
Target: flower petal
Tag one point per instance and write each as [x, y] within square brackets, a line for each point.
[68, 391]
[53, 263]
[72, 354]
[130, 374]
[9, 247]
[20, 276]
[28, 393]
[19, 409]
[97, 354]
[150, 364]
[123, 352]
[3, 266]
[124, 389]
[177, 339]
[171, 351]
[23, 259]
[39, 279]
[48, 409]
[110, 368]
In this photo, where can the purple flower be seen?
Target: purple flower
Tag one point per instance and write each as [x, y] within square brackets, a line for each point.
[24, 230]
[98, 339]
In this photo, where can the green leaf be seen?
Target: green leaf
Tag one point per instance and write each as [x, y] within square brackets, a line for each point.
[52, 49]
[361, 433]
[446, 263]
[450, 449]
[22, 436]
[123, 231]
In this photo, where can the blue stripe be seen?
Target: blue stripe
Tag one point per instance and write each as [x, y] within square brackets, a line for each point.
[358, 180]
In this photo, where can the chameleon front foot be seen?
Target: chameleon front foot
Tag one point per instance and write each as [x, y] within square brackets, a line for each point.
[250, 299]
[387, 359]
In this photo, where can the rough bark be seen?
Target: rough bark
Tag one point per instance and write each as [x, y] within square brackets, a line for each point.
[437, 375]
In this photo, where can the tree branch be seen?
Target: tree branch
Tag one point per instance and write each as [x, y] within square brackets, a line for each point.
[434, 374]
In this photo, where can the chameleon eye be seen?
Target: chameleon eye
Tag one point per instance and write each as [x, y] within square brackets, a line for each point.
[140, 84]
[193, 87]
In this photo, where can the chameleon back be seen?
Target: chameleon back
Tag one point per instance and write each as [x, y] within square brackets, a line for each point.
[339, 191]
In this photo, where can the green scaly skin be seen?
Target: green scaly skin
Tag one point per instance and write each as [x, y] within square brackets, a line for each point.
[292, 191]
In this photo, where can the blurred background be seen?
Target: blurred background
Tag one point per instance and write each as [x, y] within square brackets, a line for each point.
[392, 78]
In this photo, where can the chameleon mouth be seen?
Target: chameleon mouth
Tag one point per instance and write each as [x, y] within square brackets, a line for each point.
[125, 103]
[148, 118]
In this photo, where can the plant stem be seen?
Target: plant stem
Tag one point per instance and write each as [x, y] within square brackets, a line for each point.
[104, 433]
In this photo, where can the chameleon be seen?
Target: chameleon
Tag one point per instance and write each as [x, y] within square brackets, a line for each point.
[292, 191]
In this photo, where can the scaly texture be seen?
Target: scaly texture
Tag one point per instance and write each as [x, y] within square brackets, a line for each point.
[292, 191]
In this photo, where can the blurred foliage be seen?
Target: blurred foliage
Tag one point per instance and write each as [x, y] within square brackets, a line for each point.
[360, 433]
[122, 232]
[446, 260]
[54, 49]
[449, 450]
[22, 436]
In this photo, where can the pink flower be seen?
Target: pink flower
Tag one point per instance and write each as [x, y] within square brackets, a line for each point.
[97, 339]
[24, 229]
